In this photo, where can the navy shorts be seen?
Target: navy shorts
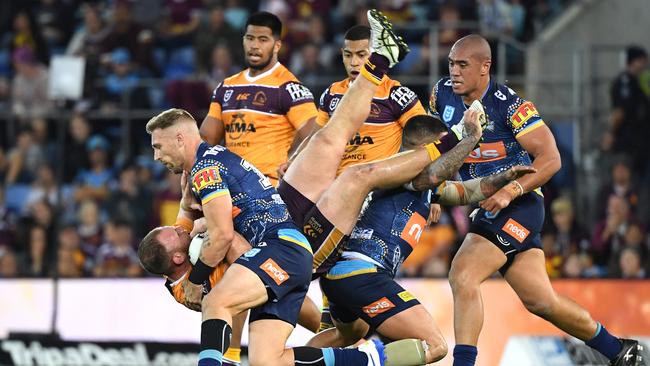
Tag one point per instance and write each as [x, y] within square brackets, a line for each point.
[514, 229]
[283, 263]
[323, 236]
[357, 289]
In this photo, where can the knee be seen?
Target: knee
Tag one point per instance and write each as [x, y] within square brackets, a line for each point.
[359, 175]
[325, 137]
[461, 280]
[437, 349]
[541, 306]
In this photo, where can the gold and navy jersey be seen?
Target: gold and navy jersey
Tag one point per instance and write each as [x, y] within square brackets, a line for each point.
[258, 210]
[509, 117]
[381, 134]
[261, 115]
[389, 227]
[179, 294]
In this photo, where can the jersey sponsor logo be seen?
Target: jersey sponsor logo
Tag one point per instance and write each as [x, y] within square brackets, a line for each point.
[276, 272]
[298, 92]
[448, 113]
[413, 229]
[360, 233]
[490, 151]
[227, 95]
[334, 103]
[312, 228]
[260, 98]
[403, 96]
[500, 95]
[525, 112]
[238, 127]
[516, 230]
[406, 296]
[380, 306]
[206, 177]
[243, 96]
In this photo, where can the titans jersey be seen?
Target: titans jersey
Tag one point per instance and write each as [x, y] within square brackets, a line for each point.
[258, 209]
[509, 117]
[261, 115]
[389, 228]
[177, 291]
[381, 134]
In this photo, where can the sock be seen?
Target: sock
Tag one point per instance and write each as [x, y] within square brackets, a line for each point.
[325, 317]
[465, 355]
[375, 68]
[329, 356]
[433, 151]
[215, 339]
[232, 356]
[605, 343]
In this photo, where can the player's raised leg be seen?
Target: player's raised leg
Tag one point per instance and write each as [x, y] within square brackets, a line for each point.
[315, 167]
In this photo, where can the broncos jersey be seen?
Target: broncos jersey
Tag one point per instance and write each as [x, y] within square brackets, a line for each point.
[261, 115]
[389, 227]
[381, 134]
[177, 291]
[508, 116]
[257, 209]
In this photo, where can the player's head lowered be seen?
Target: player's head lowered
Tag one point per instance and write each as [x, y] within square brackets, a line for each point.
[469, 64]
[356, 49]
[164, 249]
[422, 129]
[262, 40]
[174, 137]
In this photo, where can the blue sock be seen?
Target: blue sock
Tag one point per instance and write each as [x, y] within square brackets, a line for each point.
[346, 356]
[465, 355]
[215, 339]
[605, 343]
[210, 357]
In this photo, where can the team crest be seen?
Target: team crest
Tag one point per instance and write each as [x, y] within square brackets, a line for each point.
[227, 95]
[334, 103]
[448, 113]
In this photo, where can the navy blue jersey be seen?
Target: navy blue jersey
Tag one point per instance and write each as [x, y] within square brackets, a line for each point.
[389, 227]
[509, 117]
[258, 209]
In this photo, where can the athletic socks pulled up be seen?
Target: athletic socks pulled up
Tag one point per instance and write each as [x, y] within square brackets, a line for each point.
[465, 355]
[605, 343]
[375, 68]
[215, 339]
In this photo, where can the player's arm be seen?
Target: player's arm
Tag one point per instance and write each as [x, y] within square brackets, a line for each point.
[459, 193]
[302, 133]
[447, 164]
[212, 129]
[218, 217]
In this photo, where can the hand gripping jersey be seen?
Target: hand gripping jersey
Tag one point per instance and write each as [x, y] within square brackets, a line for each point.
[509, 117]
[261, 115]
[381, 134]
[389, 228]
[258, 210]
[179, 294]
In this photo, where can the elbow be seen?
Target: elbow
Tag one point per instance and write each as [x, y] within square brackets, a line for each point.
[556, 163]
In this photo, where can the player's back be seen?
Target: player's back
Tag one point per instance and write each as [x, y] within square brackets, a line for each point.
[381, 134]
[389, 228]
[257, 210]
[261, 115]
[509, 117]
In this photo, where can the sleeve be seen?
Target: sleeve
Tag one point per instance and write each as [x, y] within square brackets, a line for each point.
[433, 100]
[522, 116]
[208, 183]
[620, 92]
[324, 108]
[215, 102]
[407, 103]
[297, 102]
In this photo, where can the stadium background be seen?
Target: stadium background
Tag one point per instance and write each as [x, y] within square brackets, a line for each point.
[78, 186]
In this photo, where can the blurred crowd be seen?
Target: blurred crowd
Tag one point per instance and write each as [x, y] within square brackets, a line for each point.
[79, 208]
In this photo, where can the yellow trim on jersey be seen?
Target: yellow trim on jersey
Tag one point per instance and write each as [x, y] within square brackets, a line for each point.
[350, 274]
[329, 246]
[213, 195]
[531, 128]
[288, 238]
[433, 151]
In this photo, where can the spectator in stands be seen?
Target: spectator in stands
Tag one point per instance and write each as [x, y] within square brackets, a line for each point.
[572, 266]
[44, 187]
[631, 109]
[122, 84]
[570, 238]
[182, 19]
[72, 261]
[609, 234]
[166, 200]
[89, 227]
[76, 155]
[26, 34]
[620, 184]
[131, 201]
[221, 66]
[8, 263]
[29, 86]
[37, 262]
[213, 32]
[89, 42]
[310, 70]
[125, 33]
[8, 221]
[630, 264]
[55, 19]
[93, 183]
[554, 260]
[116, 257]
[24, 159]
[40, 129]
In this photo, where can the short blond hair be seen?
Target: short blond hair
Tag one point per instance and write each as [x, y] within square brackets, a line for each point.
[168, 118]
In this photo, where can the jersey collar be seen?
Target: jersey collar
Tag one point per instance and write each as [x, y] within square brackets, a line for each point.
[266, 73]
